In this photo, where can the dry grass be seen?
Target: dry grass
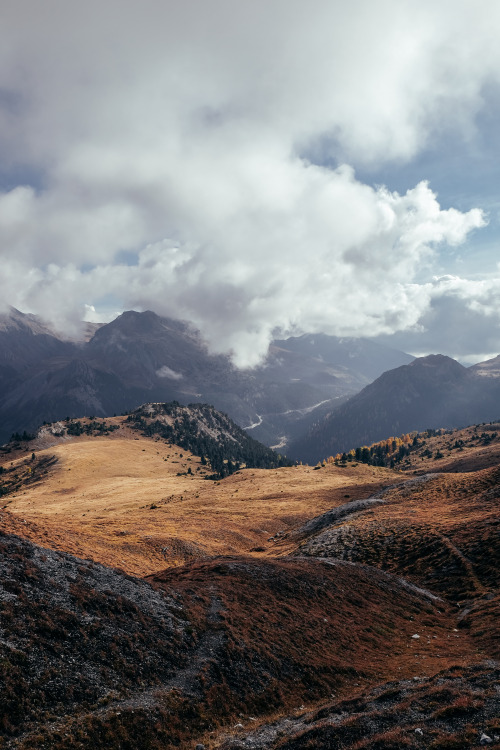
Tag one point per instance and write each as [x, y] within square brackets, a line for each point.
[272, 633]
[295, 630]
[443, 533]
[397, 715]
[459, 450]
[120, 500]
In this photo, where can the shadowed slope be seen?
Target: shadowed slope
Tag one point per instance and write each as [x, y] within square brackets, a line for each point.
[141, 357]
[451, 711]
[434, 391]
[92, 658]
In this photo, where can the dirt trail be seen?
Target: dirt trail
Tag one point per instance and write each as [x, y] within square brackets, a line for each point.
[185, 680]
[480, 589]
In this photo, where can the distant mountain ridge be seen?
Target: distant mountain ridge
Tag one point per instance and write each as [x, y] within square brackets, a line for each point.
[142, 357]
[431, 392]
[360, 355]
[488, 369]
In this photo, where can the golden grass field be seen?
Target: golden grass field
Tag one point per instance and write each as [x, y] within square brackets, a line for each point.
[118, 500]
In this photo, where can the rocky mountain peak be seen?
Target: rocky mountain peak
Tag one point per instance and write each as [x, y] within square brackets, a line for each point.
[14, 321]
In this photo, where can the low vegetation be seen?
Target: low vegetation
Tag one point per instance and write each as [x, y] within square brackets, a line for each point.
[354, 606]
[445, 449]
[453, 709]
[93, 658]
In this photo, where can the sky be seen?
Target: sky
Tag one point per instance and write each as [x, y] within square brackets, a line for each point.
[260, 169]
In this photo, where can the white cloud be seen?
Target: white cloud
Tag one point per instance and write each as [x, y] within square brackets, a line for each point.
[187, 135]
[461, 318]
[167, 372]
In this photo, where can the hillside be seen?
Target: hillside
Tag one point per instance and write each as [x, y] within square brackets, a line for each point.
[207, 433]
[290, 607]
[457, 708]
[433, 530]
[430, 392]
[141, 503]
[468, 449]
[117, 662]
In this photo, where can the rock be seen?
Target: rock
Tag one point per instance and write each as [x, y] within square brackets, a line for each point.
[418, 731]
[200, 747]
[485, 740]
[416, 635]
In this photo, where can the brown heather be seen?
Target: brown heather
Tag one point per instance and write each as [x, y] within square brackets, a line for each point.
[143, 606]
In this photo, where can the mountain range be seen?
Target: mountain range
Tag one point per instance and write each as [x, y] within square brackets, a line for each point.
[314, 396]
[142, 357]
[430, 392]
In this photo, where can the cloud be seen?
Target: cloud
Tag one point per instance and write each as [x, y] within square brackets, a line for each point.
[167, 372]
[462, 318]
[191, 140]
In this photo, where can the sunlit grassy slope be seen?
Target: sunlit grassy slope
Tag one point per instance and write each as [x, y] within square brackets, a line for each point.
[129, 501]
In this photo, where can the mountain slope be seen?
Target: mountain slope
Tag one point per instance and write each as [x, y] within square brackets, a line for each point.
[104, 490]
[363, 357]
[207, 433]
[25, 342]
[142, 357]
[311, 629]
[91, 658]
[489, 369]
[431, 392]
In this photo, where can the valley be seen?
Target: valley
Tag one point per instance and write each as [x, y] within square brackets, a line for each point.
[250, 375]
[433, 392]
